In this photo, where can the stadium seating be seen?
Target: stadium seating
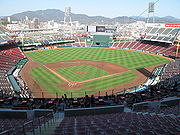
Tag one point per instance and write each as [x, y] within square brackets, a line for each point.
[161, 34]
[171, 74]
[145, 122]
[166, 110]
[76, 42]
[4, 34]
[160, 48]
[140, 123]
[21, 126]
[15, 124]
[119, 123]
[9, 56]
[160, 31]
[153, 30]
[148, 29]
[2, 30]
[4, 38]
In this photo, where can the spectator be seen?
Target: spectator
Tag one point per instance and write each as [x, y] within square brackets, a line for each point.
[62, 103]
[87, 101]
[92, 101]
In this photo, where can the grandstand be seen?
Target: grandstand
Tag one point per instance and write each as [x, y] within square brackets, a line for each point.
[160, 47]
[33, 41]
[148, 46]
[150, 108]
[11, 60]
[156, 116]
[10, 57]
[158, 40]
[167, 35]
[66, 78]
[120, 123]
[170, 76]
[4, 35]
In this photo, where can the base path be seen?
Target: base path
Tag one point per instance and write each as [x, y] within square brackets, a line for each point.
[101, 77]
[58, 75]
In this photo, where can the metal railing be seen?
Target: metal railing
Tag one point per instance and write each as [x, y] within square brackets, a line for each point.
[74, 94]
[32, 125]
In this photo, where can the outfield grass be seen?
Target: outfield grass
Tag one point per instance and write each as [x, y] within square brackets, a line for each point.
[44, 77]
[112, 81]
[129, 59]
[91, 72]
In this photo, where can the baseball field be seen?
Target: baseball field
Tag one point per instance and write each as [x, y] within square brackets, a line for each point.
[80, 71]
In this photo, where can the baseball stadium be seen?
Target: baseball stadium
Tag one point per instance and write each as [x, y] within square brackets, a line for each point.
[93, 80]
[76, 71]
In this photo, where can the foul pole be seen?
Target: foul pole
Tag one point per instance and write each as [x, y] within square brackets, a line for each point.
[22, 39]
[177, 48]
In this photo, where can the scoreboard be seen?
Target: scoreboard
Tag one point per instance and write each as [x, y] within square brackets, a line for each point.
[106, 29]
[91, 28]
[100, 29]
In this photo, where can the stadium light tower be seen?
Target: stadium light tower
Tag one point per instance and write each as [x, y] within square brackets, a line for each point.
[67, 15]
[151, 11]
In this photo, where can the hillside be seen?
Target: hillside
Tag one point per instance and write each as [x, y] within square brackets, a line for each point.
[58, 15]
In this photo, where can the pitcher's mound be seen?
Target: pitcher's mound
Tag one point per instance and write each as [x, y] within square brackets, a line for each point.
[71, 86]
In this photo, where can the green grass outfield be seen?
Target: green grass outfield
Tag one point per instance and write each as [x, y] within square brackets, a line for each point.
[91, 72]
[128, 59]
[51, 83]
[112, 81]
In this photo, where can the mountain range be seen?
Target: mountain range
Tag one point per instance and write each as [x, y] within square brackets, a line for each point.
[58, 16]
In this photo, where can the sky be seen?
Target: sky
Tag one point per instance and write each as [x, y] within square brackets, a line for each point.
[107, 8]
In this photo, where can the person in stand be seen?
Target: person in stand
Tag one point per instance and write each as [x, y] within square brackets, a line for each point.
[62, 103]
[106, 96]
[65, 96]
[87, 101]
[92, 101]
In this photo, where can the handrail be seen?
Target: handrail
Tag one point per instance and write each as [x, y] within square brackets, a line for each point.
[5, 132]
[29, 122]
